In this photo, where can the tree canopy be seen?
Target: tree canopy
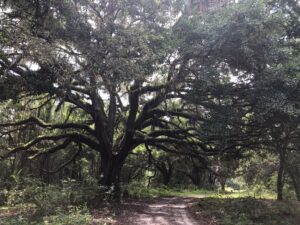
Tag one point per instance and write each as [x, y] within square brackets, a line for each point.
[111, 76]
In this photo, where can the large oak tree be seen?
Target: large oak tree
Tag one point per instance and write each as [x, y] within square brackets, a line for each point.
[154, 73]
[119, 62]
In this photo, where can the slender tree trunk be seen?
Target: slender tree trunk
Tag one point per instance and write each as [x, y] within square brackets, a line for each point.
[197, 180]
[223, 183]
[44, 176]
[197, 175]
[74, 170]
[296, 182]
[166, 172]
[223, 186]
[167, 177]
[296, 186]
[280, 176]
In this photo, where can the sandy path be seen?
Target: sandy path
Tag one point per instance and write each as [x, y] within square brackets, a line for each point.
[159, 211]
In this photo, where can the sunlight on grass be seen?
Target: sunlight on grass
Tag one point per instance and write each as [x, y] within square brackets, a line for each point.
[243, 194]
[248, 211]
[201, 193]
[196, 193]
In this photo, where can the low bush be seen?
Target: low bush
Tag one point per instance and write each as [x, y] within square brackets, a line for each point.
[48, 198]
[250, 211]
[136, 189]
[32, 202]
[71, 216]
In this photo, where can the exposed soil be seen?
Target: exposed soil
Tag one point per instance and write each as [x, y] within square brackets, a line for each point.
[158, 211]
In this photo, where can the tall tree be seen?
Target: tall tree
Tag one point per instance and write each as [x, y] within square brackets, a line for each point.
[143, 73]
[118, 62]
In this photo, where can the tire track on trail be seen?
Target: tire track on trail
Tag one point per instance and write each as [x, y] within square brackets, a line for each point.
[158, 211]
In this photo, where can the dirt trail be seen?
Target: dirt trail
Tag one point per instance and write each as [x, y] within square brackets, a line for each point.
[158, 211]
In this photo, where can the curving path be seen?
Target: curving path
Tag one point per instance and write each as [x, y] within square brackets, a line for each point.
[159, 211]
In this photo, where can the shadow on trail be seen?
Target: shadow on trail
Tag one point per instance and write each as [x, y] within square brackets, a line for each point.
[158, 211]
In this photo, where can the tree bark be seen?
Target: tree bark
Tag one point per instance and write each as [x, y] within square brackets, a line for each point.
[296, 185]
[223, 183]
[223, 186]
[196, 179]
[110, 170]
[111, 167]
[167, 176]
[294, 175]
[167, 179]
[166, 170]
[280, 176]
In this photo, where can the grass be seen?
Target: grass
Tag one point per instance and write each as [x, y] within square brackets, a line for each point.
[24, 214]
[244, 194]
[197, 193]
[201, 193]
[249, 211]
[245, 207]
[231, 207]
[140, 191]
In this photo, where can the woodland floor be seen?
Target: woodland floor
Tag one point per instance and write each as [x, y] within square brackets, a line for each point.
[181, 208]
[157, 211]
[201, 210]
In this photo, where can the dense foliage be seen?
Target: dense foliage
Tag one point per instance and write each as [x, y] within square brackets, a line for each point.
[96, 95]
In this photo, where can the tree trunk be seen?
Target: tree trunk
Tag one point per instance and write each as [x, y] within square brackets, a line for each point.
[198, 175]
[166, 172]
[296, 182]
[111, 167]
[167, 177]
[280, 181]
[223, 186]
[197, 179]
[223, 183]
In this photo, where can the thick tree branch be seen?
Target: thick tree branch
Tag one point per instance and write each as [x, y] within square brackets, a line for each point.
[39, 122]
[73, 158]
[75, 137]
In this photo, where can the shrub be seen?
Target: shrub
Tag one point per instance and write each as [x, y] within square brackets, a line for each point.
[74, 216]
[71, 216]
[47, 198]
[137, 189]
[16, 220]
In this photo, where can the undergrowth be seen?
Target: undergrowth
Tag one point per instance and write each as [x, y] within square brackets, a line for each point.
[249, 211]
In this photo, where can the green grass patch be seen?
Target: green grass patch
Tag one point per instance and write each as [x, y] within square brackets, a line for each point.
[249, 211]
[243, 194]
[140, 191]
[22, 215]
[201, 193]
[197, 193]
